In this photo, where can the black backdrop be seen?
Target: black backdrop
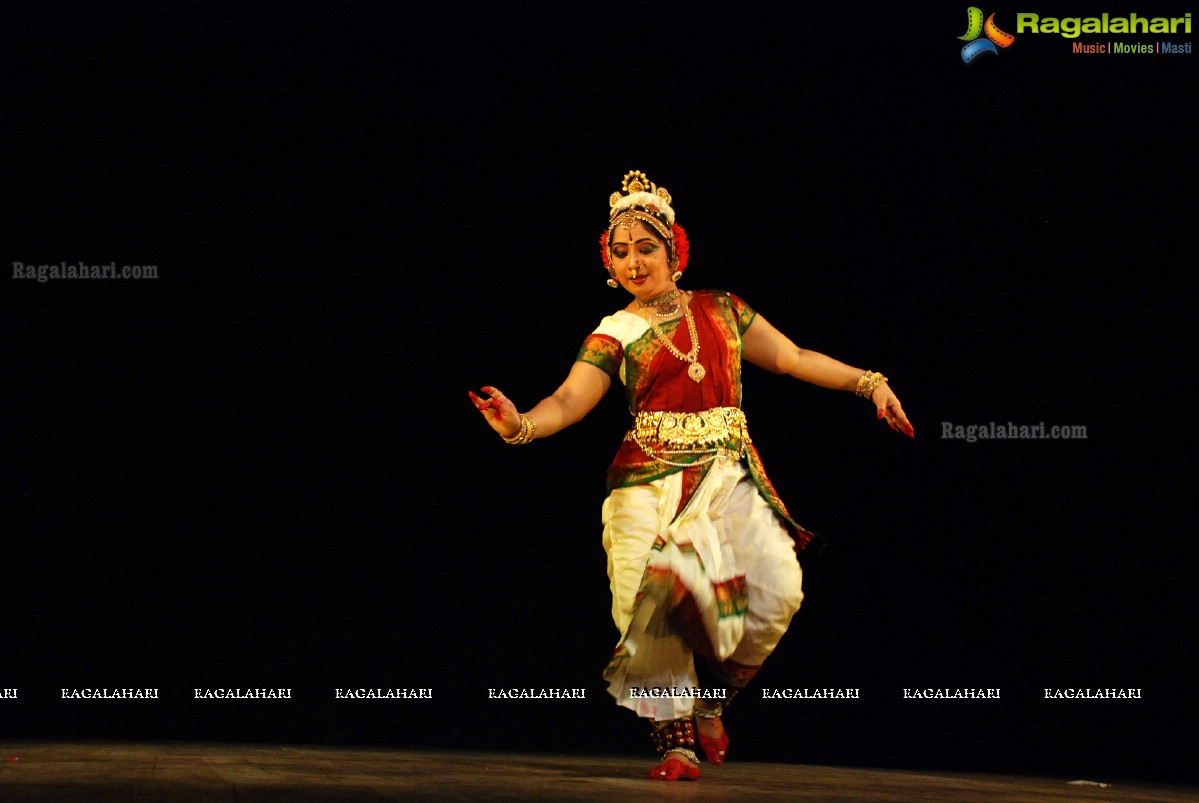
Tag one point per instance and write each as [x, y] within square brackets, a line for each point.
[261, 469]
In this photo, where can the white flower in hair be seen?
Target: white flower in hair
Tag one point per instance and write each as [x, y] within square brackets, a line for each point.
[641, 192]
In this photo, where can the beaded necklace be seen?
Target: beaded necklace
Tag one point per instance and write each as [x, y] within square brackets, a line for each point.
[664, 305]
[696, 371]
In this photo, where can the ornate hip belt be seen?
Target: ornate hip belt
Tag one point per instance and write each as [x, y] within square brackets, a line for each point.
[706, 432]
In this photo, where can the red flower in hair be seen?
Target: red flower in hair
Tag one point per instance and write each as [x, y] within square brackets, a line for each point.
[682, 248]
[604, 248]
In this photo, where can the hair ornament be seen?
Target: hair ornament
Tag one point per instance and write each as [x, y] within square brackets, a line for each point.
[642, 201]
[640, 191]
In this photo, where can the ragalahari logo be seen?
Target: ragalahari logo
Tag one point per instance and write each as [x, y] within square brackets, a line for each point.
[975, 26]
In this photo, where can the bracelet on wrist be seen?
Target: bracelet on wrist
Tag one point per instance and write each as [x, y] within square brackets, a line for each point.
[868, 384]
[526, 433]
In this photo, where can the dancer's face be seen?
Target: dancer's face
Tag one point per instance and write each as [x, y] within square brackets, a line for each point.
[639, 258]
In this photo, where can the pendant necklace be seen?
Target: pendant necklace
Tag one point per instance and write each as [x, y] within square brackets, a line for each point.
[696, 371]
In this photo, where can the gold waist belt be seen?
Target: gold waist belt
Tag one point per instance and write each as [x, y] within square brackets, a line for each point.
[660, 432]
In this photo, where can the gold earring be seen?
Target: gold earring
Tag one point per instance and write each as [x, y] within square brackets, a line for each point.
[678, 274]
[613, 283]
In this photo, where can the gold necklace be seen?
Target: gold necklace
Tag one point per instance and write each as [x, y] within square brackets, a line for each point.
[664, 305]
[696, 371]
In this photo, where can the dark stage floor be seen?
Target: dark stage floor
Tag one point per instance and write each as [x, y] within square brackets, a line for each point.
[182, 773]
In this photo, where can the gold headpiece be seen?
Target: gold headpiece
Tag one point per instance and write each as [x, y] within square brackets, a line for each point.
[644, 202]
[640, 191]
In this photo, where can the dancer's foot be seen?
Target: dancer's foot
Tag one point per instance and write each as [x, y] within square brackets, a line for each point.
[712, 738]
[675, 766]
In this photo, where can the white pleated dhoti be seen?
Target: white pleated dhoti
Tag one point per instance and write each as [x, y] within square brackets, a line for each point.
[728, 538]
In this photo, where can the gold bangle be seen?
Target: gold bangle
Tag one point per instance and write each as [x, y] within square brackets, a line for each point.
[868, 384]
[526, 433]
[521, 431]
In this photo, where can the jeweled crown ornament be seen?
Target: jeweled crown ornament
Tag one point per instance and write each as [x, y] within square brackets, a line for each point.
[641, 192]
[642, 201]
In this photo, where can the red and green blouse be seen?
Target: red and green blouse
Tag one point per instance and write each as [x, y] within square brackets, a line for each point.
[624, 347]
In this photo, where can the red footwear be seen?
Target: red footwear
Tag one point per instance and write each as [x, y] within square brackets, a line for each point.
[673, 768]
[715, 747]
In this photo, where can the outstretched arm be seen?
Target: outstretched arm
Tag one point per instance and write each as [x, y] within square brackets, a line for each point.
[767, 347]
[585, 385]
